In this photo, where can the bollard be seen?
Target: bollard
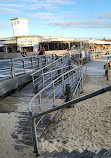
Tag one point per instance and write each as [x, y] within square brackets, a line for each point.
[36, 89]
[68, 94]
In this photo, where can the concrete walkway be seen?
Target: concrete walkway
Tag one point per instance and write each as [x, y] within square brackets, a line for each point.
[96, 68]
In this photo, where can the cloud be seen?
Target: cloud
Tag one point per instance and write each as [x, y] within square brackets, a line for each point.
[36, 4]
[80, 24]
[11, 5]
[104, 15]
[43, 15]
[9, 10]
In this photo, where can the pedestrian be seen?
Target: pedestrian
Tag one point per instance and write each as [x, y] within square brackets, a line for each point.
[106, 73]
[42, 52]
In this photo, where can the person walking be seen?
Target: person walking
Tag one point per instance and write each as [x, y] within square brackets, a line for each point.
[106, 73]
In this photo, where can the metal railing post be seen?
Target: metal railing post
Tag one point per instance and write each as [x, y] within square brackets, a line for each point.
[40, 102]
[34, 133]
[76, 76]
[53, 95]
[63, 84]
[68, 77]
[51, 76]
[40, 64]
[13, 70]
[32, 63]
[46, 60]
[43, 80]
[33, 82]
[73, 76]
[23, 62]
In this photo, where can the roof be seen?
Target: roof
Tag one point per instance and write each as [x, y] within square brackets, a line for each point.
[18, 18]
[99, 42]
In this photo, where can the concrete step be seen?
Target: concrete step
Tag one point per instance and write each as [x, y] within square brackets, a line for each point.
[100, 153]
[55, 154]
[86, 154]
[73, 154]
[107, 154]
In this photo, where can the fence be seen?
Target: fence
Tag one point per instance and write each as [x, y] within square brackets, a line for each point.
[10, 68]
[45, 78]
[63, 61]
[5, 70]
[52, 96]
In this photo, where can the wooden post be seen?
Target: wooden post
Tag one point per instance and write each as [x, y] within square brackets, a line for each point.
[36, 89]
[68, 94]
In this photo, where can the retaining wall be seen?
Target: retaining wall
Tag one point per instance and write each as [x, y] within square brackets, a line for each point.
[8, 86]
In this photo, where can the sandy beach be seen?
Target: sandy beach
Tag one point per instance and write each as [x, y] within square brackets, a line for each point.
[87, 126]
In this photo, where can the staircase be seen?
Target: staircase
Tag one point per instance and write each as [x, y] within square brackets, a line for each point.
[103, 153]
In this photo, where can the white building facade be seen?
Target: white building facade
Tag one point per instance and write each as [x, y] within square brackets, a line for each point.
[20, 27]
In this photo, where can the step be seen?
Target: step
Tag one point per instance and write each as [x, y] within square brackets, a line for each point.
[86, 154]
[72, 154]
[55, 154]
[107, 154]
[100, 153]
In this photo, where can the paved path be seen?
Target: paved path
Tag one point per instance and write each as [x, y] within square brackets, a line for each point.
[96, 68]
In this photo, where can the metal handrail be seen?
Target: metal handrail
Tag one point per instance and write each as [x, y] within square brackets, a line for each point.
[53, 65]
[47, 77]
[67, 76]
[54, 62]
[48, 86]
[76, 100]
[17, 66]
[67, 104]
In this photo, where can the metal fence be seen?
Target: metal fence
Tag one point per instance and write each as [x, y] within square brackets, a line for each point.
[61, 62]
[46, 78]
[5, 69]
[52, 96]
[10, 68]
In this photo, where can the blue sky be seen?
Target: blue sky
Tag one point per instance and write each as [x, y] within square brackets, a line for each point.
[67, 18]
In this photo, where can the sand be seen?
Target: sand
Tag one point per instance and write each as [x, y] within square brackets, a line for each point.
[87, 126]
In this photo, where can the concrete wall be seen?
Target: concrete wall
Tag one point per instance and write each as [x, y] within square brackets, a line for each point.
[7, 86]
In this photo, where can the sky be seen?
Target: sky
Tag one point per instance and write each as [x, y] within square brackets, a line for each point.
[68, 18]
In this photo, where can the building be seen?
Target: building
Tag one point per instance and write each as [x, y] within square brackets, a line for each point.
[22, 41]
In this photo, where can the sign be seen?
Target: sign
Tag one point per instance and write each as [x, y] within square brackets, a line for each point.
[26, 42]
